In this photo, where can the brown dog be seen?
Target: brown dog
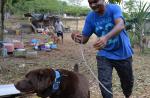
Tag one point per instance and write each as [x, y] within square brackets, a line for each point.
[55, 39]
[41, 81]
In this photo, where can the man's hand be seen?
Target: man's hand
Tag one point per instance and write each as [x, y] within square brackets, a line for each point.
[77, 37]
[100, 43]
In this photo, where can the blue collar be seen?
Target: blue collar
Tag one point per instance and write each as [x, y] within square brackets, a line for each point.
[56, 83]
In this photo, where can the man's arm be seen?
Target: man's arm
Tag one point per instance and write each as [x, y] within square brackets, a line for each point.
[79, 38]
[119, 26]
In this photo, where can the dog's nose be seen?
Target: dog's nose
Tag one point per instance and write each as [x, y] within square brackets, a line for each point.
[17, 85]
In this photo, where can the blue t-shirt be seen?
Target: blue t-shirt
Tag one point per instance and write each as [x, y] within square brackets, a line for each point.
[118, 47]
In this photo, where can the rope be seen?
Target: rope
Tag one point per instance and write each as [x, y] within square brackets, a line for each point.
[86, 64]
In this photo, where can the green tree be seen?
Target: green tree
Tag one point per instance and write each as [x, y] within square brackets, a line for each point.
[41, 6]
[114, 1]
[138, 13]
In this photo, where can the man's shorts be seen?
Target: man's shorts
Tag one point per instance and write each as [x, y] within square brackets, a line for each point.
[59, 33]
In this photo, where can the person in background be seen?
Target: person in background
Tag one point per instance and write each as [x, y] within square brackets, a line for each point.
[3, 50]
[59, 28]
[106, 21]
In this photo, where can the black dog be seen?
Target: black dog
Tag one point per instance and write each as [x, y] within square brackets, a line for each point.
[55, 84]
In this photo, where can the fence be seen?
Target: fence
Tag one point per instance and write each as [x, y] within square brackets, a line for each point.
[74, 23]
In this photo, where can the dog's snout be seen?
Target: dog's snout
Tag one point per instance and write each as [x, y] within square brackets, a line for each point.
[23, 86]
[17, 85]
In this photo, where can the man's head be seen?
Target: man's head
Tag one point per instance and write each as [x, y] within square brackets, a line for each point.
[57, 19]
[97, 5]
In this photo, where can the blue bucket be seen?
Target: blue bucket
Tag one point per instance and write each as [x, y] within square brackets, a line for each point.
[53, 46]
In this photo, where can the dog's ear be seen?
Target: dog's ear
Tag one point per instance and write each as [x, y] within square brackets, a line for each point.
[52, 73]
[45, 77]
[40, 75]
[76, 67]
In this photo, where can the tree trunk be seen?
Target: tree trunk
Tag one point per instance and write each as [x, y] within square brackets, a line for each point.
[141, 41]
[1, 19]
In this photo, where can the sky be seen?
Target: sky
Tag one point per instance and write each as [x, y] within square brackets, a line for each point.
[84, 3]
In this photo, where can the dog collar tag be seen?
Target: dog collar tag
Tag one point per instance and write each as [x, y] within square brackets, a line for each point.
[57, 81]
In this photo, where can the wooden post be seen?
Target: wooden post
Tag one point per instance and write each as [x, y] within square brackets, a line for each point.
[1, 19]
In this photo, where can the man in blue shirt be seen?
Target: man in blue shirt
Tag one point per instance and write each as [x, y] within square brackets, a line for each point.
[114, 49]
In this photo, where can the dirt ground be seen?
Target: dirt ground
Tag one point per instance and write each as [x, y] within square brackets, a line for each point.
[66, 56]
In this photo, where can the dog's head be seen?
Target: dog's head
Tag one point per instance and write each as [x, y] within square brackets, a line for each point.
[36, 81]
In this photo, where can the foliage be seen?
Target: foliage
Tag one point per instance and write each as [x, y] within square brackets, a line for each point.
[43, 6]
[115, 1]
[138, 13]
[51, 6]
